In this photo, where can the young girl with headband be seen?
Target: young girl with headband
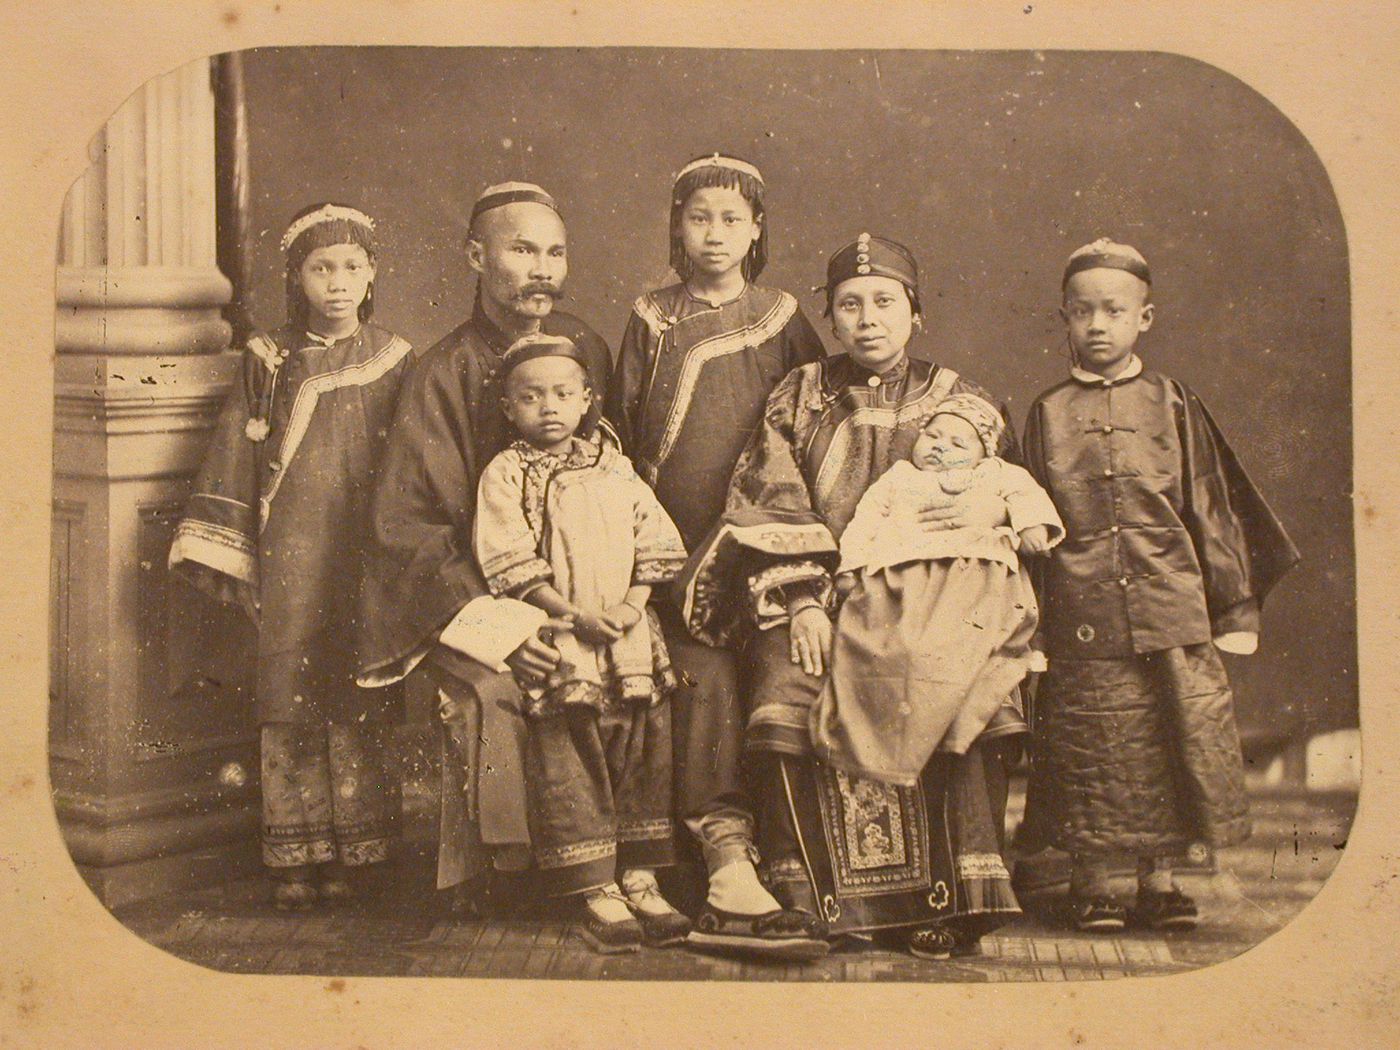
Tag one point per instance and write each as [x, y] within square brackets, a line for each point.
[277, 524]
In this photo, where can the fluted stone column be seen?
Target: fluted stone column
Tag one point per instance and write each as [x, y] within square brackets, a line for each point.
[152, 743]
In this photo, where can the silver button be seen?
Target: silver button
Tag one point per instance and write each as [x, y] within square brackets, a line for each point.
[1108, 473]
[1114, 529]
[1123, 581]
[1107, 429]
[873, 381]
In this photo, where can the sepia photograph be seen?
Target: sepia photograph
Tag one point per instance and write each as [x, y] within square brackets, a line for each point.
[707, 514]
[689, 525]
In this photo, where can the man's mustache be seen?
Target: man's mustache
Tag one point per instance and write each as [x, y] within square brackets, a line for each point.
[540, 288]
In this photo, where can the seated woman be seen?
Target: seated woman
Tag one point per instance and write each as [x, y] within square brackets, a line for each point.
[923, 861]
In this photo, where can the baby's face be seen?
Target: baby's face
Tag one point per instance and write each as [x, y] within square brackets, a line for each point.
[947, 443]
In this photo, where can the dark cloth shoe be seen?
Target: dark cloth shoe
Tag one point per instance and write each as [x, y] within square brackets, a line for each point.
[1097, 914]
[606, 938]
[931, 942]
[662, 931]
[798, 897]
[1172, 910]
[781, 935]
[487, 895]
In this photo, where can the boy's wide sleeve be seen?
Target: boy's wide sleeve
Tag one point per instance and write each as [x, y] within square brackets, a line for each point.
[1242, 548]
[659, 549]
[215, 543]
[505, 545]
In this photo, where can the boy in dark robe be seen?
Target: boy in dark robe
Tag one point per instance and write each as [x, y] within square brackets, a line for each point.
[1169, 552]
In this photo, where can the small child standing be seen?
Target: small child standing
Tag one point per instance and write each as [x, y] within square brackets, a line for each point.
[564, 522]
[278, 524]
[935, 630]
[1169, 552]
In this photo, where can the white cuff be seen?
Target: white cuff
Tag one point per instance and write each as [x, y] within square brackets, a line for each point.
[1037, 664]
[490, 629]
[1241, 643]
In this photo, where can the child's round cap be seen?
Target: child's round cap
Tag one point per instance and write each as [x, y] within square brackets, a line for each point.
[503, 193]
[530, 347]
[978, 411]
[1106, 254]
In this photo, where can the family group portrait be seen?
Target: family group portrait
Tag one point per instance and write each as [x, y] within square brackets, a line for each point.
[703, 514]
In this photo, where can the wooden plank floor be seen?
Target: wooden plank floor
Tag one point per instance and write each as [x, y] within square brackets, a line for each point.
[404, 929]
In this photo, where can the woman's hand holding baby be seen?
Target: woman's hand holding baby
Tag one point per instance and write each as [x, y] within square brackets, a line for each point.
[810, 631]
[939, 514]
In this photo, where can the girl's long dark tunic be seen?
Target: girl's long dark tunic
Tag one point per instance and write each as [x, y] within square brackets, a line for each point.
[279, 517]
[689, 390]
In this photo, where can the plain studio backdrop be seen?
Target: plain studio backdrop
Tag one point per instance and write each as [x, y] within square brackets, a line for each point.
[990, 166]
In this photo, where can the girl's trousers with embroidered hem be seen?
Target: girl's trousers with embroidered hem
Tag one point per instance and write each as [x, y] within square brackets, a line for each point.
[329, 793]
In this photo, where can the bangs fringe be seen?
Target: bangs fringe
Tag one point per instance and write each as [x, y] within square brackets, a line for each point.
[326, 234]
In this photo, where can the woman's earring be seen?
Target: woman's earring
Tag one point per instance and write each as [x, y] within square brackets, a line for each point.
[918, 323]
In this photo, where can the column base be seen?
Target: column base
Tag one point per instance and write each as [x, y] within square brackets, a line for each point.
[122, 884]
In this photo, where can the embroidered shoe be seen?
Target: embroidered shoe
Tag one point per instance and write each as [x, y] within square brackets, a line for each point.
[932, 942]
[662, 926]
[601, 926]
[336, 891]
[779, 935]
[797, 896]
[1101, 914]
[1172, 910]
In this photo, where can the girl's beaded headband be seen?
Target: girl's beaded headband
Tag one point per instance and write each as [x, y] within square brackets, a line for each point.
[719, 160]
[329, 213]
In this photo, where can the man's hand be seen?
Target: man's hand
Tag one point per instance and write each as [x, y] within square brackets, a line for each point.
[536, 657]
[845, 583]
[810, 631]
[1035, 539]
